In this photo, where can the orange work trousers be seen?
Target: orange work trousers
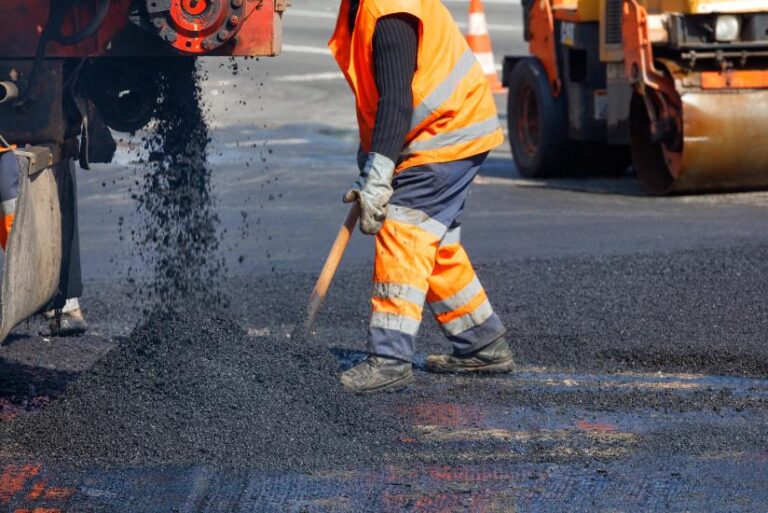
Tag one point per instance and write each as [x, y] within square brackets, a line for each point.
[419, 258]
[9, 190]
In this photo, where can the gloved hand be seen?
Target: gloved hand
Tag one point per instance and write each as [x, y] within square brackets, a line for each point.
[372, 191]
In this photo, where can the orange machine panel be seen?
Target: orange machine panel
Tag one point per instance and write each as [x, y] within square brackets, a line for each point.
[255, 31]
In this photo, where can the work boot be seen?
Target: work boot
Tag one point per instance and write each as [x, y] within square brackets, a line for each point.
[496, 357]
[66, 324]
[377, 374]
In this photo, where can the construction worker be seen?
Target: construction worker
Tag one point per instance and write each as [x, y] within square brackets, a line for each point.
[427, 121]
[67, 320]
[9, 190]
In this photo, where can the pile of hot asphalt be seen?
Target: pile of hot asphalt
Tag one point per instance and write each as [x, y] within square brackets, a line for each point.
[187, 387]
[185, 390]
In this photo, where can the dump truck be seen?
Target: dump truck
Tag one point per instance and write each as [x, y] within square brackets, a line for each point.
[71, 70]
[679, 88]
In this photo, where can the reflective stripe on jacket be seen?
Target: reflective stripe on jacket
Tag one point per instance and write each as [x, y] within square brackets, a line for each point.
[454, 114]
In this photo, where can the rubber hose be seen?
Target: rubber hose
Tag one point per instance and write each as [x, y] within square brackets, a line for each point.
[90, 29]
[52, 30]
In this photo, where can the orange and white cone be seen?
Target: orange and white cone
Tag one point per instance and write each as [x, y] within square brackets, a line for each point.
[480, 43]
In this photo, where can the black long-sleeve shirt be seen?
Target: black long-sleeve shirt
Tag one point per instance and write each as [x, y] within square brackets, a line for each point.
[395, 47]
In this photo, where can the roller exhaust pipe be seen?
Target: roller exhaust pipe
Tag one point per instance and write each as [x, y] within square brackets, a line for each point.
[8, 91]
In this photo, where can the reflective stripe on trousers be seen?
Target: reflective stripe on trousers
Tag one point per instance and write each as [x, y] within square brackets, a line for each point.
[419, 257]
[9, 191]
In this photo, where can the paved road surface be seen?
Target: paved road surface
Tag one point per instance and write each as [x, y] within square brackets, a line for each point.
[638, 322]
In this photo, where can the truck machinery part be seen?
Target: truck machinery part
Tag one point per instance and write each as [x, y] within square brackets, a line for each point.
[43, 120]
[724, 144]
[123, 90]
[537, 122]
[196, 26]
[52, 31]
[541, 40]
[127, 30]
[32, 263]
[34, 69]
[689, 139]
[8, 91]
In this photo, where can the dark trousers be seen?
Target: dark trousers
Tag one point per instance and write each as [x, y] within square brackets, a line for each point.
[71, 279]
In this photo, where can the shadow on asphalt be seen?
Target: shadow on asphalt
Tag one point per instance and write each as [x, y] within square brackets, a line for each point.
[504, 168]
[14, 338]
[25, 388]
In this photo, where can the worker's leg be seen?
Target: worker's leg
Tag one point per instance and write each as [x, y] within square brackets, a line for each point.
[426, 201]
[9, 191]
[458, 300]
[405, 256]
[461, 307]
[72, 287]
[68, 317]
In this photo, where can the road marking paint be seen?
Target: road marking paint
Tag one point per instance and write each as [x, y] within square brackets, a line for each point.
[312, 14]
[259, 332]
[495, 27]
[317, 50]
[266, 142]
[13, 480]
[602, 427]
[434, 433]
[497, 180]
[504, 2]
[311, 77]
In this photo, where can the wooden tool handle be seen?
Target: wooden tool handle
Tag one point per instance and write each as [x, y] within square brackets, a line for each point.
[330, 266]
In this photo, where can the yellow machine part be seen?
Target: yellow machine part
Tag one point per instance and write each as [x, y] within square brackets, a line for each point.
[580, 10]
[725, 144]
[702, 6]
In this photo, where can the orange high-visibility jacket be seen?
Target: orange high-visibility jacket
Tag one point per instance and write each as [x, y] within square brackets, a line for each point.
[454, 114]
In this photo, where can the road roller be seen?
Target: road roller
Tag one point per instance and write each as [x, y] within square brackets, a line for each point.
[677, 88]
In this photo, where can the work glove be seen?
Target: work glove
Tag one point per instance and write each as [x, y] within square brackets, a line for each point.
[372, 191]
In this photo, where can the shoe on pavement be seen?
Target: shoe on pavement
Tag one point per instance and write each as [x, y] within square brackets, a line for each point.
[377, 374]
[493, 358]
[67, 324]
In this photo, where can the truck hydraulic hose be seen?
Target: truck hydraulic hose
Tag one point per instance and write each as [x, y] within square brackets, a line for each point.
[52, 31]
[90, 29]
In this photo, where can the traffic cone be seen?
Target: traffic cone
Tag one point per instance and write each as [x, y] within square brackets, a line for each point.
[480, 43]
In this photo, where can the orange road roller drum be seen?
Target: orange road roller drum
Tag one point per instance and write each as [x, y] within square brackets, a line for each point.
[724, 144]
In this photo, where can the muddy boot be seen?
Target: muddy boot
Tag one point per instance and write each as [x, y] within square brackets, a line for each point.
[495, 357]
[377, 374]
[66, 324]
